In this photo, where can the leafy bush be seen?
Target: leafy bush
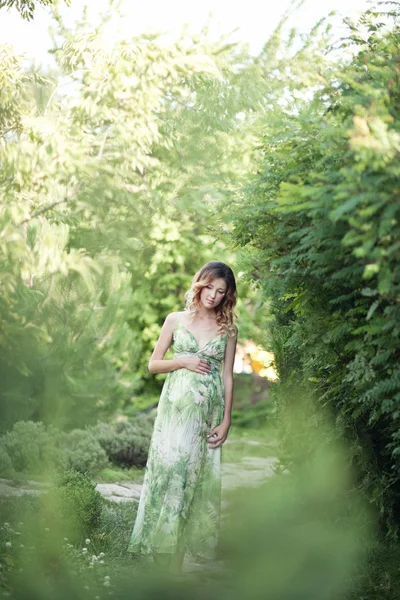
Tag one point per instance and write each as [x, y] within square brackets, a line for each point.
[80, 451]
[142, 404]
[30, 446]
[126, 442]
[6, 466]
[321, 225]
[74, 504]
[33, 448]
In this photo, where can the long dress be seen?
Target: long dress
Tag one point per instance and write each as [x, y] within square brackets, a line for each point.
[180, 502]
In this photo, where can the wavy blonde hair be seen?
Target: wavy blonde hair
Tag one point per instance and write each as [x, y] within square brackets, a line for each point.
[224, 311]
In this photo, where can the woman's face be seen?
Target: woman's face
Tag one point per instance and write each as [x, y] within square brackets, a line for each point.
[213, 293]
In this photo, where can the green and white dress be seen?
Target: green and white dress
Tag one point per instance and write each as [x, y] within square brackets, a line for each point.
[180, 502]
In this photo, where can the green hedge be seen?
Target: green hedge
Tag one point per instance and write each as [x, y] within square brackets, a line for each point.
[32, 448]
[320, 225]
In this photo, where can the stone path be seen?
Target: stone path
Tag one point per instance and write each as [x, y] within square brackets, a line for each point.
[8, 487]
[249, 471]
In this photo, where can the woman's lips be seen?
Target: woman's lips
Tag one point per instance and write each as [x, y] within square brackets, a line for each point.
[209, 301]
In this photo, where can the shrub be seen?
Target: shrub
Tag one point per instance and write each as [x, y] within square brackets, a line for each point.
[29, 445]
[32, 448]
[319, 227]
[80, 451]
[126, 442]
[6, 466]
[74, 504]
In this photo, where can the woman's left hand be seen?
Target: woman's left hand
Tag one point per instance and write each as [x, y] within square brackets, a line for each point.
[220, 433]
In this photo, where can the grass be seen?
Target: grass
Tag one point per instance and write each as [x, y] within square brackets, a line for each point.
[243, 442]
[376, 578]
[115, 474]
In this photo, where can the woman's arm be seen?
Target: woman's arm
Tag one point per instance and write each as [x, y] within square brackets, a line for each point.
[218, 434]
[227, 375]
[157, 364]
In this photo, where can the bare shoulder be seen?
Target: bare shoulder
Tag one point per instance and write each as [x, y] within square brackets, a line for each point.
[173, 317]
[233, 332]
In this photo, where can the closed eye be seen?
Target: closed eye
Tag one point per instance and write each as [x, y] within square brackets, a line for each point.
[220, 291]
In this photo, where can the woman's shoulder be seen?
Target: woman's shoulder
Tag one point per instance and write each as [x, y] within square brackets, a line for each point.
[231, 330]
[173, 317]
[234, 329]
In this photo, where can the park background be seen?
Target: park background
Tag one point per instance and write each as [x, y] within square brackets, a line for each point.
[130, 157]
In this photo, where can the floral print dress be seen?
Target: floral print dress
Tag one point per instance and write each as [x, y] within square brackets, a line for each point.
[180, 502]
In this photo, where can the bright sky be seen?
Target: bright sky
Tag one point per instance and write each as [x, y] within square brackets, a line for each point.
[255, 19]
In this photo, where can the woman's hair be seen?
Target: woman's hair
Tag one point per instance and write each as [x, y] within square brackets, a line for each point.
[205, 275]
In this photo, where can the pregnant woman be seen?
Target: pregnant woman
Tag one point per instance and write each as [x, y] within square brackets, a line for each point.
[180, 502]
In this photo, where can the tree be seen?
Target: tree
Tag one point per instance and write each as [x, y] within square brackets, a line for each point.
[320, 223]
[108, 184]
[26, 8]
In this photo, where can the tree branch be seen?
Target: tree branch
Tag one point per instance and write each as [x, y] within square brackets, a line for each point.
[48, 207]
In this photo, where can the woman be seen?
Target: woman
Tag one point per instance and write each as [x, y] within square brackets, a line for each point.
[179, 507]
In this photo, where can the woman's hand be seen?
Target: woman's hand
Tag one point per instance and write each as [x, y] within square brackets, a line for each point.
[196, 364]
[218, 435]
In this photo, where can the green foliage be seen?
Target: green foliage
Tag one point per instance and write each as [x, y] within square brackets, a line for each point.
[26, 8]
[81, 451]
[256, 416]
[115, 527]
[77, 504]
[29, 446]
[6, 466]
[320, 225]
[34, 449]
[110, 173]
[126, 442]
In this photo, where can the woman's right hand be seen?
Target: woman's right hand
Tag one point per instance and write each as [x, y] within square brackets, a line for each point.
[196, 364]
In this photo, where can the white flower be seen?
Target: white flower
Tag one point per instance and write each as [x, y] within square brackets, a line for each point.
[84, 550]
[6, 524]
[8, 544]
[101, 562]
[22, 545]
[106, 577]
[101, 554]
[46, 529]
[87, 541]
[106, 583]
[65, 539]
